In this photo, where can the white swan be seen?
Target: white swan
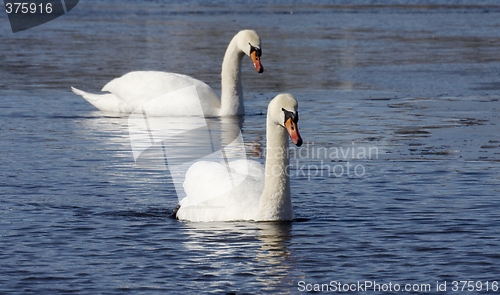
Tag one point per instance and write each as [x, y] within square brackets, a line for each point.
[132, 90]
[261, 195]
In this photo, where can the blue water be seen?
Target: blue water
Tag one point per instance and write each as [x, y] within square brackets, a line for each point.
[412, 88]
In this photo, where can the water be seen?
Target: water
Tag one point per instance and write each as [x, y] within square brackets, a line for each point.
[413, 86]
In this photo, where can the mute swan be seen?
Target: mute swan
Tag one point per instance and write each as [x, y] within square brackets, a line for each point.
[263, 194]
[133, 89]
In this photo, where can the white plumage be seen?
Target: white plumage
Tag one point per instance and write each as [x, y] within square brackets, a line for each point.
[243, 189]
[132, 90]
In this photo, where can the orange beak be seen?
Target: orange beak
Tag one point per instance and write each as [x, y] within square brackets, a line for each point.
[293, 131]
[256, 62]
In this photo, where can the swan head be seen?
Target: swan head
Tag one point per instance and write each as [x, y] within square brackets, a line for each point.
[283, 111]
[249, 42]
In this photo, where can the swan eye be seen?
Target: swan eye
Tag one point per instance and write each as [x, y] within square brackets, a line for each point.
[257, 50]
[292, 115]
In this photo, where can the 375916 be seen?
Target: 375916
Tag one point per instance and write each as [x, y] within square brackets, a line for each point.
[24, 8]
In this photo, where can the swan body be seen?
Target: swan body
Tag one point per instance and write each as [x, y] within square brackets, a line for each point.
[132, 90]
[252, 192]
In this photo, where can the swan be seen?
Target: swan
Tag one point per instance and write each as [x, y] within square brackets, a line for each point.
[259, 194]
[132, 90]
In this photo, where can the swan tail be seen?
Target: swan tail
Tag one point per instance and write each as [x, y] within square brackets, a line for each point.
[104, 102]
[90, 97]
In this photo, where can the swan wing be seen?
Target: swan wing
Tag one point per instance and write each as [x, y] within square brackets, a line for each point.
[222, 192]
[132, 90]
[146, 85]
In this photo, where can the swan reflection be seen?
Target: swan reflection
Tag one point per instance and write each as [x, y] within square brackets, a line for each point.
[172, 144]
[246, 248]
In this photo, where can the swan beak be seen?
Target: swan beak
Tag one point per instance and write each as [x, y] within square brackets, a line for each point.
[293, 131]
[256, 62]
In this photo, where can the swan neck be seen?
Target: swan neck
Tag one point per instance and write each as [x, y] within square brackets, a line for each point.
[275, 201]
[231, 89]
